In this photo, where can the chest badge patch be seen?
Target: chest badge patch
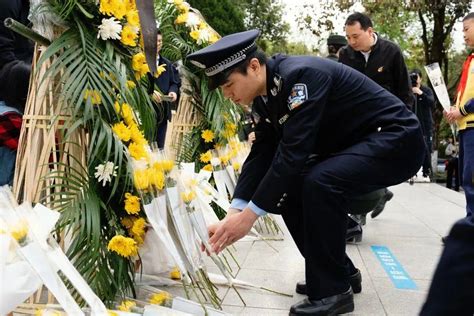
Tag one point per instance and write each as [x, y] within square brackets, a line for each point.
[298, 94]
[380, 69]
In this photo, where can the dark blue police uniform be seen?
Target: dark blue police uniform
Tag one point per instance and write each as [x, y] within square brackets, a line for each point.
[325, 133]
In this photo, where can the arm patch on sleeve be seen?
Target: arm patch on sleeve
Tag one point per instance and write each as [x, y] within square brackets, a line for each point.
[298, 95]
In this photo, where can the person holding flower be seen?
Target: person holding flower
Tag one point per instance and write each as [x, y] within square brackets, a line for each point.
[168, 82]
[325, 134]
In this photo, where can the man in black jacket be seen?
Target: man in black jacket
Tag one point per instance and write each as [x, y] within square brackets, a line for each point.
[381, 61]
[16, 53]
[325, 133]
[168, 83]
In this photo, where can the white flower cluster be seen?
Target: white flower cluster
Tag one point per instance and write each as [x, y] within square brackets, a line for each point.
[105, 172]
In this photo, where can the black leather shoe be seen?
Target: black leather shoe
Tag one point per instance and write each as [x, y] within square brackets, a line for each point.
[354, 234]
[355, 281]
[328, 306]
[381, 204]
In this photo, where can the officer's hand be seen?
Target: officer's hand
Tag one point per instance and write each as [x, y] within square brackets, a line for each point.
[231, 229]
[417, 90]
[173, 96]
[453, 115]
[251, 138]
[156, 96]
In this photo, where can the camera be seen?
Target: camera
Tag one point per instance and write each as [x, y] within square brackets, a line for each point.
[414, 79]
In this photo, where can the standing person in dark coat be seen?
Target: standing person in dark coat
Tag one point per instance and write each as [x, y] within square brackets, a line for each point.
[423, 107]
[168, 83]
[380, 60]
[325, 133]
[16, 53]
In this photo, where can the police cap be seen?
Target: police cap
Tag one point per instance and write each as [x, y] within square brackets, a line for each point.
[338, 40]
[227, 53]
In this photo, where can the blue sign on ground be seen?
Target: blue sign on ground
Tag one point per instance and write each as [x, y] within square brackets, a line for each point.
[394, 269]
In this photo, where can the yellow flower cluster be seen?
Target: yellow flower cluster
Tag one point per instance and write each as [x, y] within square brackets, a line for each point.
[131, 84]
[129, 35]
[93, 95]
[138, 230]
[132, 204]
[166, 165]
[154, 176]
[126, 306]
[124, 246]
[160, 298]
[206, 157]
[116, 8]
[126, 112]
[137, 151]
[122, 131]
[207, 135]
[199, 29]
[139, 65]
[132, 18]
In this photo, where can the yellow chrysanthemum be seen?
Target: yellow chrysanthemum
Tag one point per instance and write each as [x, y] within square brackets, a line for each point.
[194, 35]
[137, 151]
[160, 298]
[127, 222]
[182, 18]
[207, 167]
[128, 36]
[138, 60]
[93, 95]
[236, 166]
[224, 159]
[122, 131]
[137, 135]
[132, 204]
[167, 165]
[178, 2]
[130, 5]
[126, 306]
[159, 70]
[117, 8]
[188, 196]
[144, 69]
[175, 274]
[207, 135]
[126, 112]
[132, 18]
[206, 157]
[140, 179]
[183, 7]
[20, 232]
[124, 246]
[138, 229]
[156, 178]
[131, 84]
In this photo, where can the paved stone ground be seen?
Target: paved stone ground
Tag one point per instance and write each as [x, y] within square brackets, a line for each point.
[411, 227]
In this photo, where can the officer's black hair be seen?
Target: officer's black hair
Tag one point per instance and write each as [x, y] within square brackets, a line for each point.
[242, 67]
[364, 20]
[469, 16]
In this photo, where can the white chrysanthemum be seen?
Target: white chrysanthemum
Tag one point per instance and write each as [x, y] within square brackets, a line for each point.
[110, 29]
[204, 36]
[193, 20]
[105, 172]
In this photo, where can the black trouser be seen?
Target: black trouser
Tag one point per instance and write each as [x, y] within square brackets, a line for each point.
[452, 289]
[452, 169]
[318, 222]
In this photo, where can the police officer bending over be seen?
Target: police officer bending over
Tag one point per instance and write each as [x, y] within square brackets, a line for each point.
[326, 133]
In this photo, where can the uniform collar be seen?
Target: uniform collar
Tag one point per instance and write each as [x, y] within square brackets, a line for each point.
[274, 80]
